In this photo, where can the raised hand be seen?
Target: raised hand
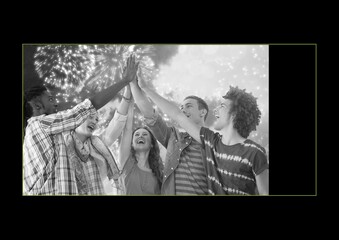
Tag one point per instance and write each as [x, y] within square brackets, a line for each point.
[141, 82]
[127, 94]
[130, 70]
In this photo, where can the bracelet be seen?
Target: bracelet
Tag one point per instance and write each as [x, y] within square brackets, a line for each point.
[127, 99]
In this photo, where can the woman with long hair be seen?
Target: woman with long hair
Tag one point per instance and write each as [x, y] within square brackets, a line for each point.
[139, 154]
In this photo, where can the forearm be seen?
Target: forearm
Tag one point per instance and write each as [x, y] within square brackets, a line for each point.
[68, 119]
[174, 113]
[114, 129]
[167, 107]
[143, 103]
[129, 74]
[103, 97]
[117, 124]
[125, 101]
[125, 144]
[262, 183]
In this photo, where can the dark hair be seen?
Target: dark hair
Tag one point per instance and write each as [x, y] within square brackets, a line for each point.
[154, 159]
[244, 106]
[30, 94]
[201, 104]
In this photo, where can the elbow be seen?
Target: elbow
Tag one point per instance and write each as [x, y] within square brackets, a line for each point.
[106, 140]
[263, 191]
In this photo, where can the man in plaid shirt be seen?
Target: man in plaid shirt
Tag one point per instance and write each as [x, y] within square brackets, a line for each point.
[47, 167]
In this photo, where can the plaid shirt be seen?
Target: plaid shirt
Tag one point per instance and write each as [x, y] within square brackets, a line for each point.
[92, 172]
[47, 169]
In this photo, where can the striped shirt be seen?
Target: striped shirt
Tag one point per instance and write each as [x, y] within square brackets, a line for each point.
[190, 176]
[231, 169]
[46, 167]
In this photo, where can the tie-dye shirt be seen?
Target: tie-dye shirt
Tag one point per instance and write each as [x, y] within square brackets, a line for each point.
[231, 169]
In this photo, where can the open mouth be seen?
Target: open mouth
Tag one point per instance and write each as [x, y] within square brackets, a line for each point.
[140, 141]
[91, 127]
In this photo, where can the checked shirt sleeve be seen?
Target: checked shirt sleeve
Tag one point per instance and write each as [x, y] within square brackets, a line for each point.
[69, 119]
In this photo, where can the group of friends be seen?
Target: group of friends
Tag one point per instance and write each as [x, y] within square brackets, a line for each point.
[62, 156]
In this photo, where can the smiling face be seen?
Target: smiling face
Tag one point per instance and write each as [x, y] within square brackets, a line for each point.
[89, 126]
[190, 108]
[43, 104]
[141, 140]
[49, 103]
[221, 113]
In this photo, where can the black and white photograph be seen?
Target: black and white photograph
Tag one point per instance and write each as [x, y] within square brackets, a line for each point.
[145, 119]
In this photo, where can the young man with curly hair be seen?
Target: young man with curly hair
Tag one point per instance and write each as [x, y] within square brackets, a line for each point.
[235, 165]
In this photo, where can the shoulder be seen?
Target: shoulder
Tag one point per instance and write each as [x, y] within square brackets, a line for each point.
[130, 162]
[207, 133]
[35, 125]
[254, 146]
[36, 119]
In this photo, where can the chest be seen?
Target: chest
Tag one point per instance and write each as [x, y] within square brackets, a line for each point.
[235, 158]
[141, 182]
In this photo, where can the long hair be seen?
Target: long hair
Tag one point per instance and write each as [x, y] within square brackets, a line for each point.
[244, 106]
[154, 159]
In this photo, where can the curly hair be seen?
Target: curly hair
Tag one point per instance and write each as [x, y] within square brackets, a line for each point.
[245, 108]
[32, 93]
[154, 159]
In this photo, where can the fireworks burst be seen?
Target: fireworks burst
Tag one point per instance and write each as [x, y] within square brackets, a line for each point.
[110, 60]
[82, 70]
[63, 66]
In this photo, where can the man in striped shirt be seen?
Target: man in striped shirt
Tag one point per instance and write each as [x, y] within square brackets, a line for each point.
[234, 164]
[46, 165]
[184, 170]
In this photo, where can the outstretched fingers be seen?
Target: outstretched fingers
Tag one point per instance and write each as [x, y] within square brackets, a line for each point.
[130, 62]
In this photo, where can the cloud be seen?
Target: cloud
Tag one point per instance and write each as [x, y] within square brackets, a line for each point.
[164, 53]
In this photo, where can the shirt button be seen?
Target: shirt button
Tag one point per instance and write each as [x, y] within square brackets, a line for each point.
[171, 168]
[165, 176]
[186, 142]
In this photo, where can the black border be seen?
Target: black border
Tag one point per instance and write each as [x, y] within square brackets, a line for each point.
[292, 102]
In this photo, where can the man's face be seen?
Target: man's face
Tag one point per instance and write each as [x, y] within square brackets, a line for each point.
[49, 103]
[221, 113]
[190, 108]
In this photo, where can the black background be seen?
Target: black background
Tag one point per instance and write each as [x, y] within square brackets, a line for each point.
[292, 125]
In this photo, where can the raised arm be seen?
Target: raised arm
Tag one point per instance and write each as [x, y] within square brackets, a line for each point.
[172, 111]
[143, 103]
[118, 122]
[73, 118]
[160, 129]
[129, 74]
[126, 140]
